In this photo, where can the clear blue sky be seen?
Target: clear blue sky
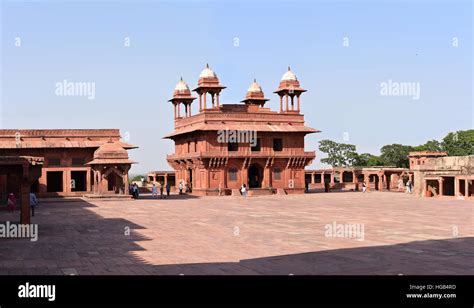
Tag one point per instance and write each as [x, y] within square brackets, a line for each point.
[405, 41]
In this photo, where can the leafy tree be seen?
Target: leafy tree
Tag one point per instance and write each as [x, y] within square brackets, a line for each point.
[366, 159]
[339, 154]
[395, 155]
[431, 145]
[460, 143]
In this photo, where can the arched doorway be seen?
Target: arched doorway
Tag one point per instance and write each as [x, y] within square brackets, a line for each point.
[255, 174]
[115, 183]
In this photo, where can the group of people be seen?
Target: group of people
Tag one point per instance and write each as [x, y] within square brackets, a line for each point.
[134, 191]
[184, 187]
[11, 202]
[154, 190]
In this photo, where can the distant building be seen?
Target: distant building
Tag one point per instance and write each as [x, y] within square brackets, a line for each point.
[267, 152]
[75, 162]
[383, 178]
[437, 174]
[162, 177]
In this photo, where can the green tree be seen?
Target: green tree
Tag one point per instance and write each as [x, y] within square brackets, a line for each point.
[366, 159]
[395, 155]
[459, 143]
[431, 145]
[339, 154]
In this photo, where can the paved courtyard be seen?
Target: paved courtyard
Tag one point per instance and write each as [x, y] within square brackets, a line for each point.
[397, 234]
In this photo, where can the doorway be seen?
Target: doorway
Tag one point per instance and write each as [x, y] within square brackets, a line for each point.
[78, 180]
[448, 186]
[54, 181]
[255, 176]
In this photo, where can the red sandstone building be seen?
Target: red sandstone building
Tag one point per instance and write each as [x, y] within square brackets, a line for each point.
[273, 161]
[437, 174]
[72, 162]
[383, 178]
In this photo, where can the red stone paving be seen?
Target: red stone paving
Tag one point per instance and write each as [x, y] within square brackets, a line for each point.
[285, 235]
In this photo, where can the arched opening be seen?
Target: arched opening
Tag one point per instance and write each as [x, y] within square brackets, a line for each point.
[114, 183]
[190, 177]
[255, 176]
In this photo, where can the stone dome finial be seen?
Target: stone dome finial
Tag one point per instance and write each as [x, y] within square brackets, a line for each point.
[289, 75]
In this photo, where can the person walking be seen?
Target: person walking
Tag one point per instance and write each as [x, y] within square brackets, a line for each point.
[408, 185]
[154, 191]
[181, 186]
[161, 190]
[33, 203]
[364, 187]
[11, 202]
[243, 190]
[168, 189]
[137, 191]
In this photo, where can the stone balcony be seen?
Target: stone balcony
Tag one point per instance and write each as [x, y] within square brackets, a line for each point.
[243, 154]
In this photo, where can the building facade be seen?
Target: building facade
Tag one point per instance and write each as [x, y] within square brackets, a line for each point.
[440, 175]
[227, 145]
[75, 162]
[383, 178]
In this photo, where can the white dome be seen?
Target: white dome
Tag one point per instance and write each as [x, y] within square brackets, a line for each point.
[255, 87]
[207, 73]
[181, 86]
[289, 75]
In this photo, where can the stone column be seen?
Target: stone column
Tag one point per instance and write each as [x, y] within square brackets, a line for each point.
[166, 179]
[286, 97]
[466, 188]
[298, 103]
[88, 181]
[457, 190]
[205, 104]
[381, 182]
[126, 183]
[67, 180]
[200, 102]
[25, 202]
[354, 177]
[266, 178]
[281, 103]
[312, 177]
[174, 110]
[332, 177]
[217, 99]
[244, 177]
[440, 183]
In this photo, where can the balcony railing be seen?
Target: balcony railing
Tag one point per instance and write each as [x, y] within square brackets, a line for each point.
[243, 154]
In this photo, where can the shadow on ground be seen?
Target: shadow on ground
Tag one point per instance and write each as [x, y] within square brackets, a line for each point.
[94, 245]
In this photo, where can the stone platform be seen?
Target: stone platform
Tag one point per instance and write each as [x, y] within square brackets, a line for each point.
[278, 234]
